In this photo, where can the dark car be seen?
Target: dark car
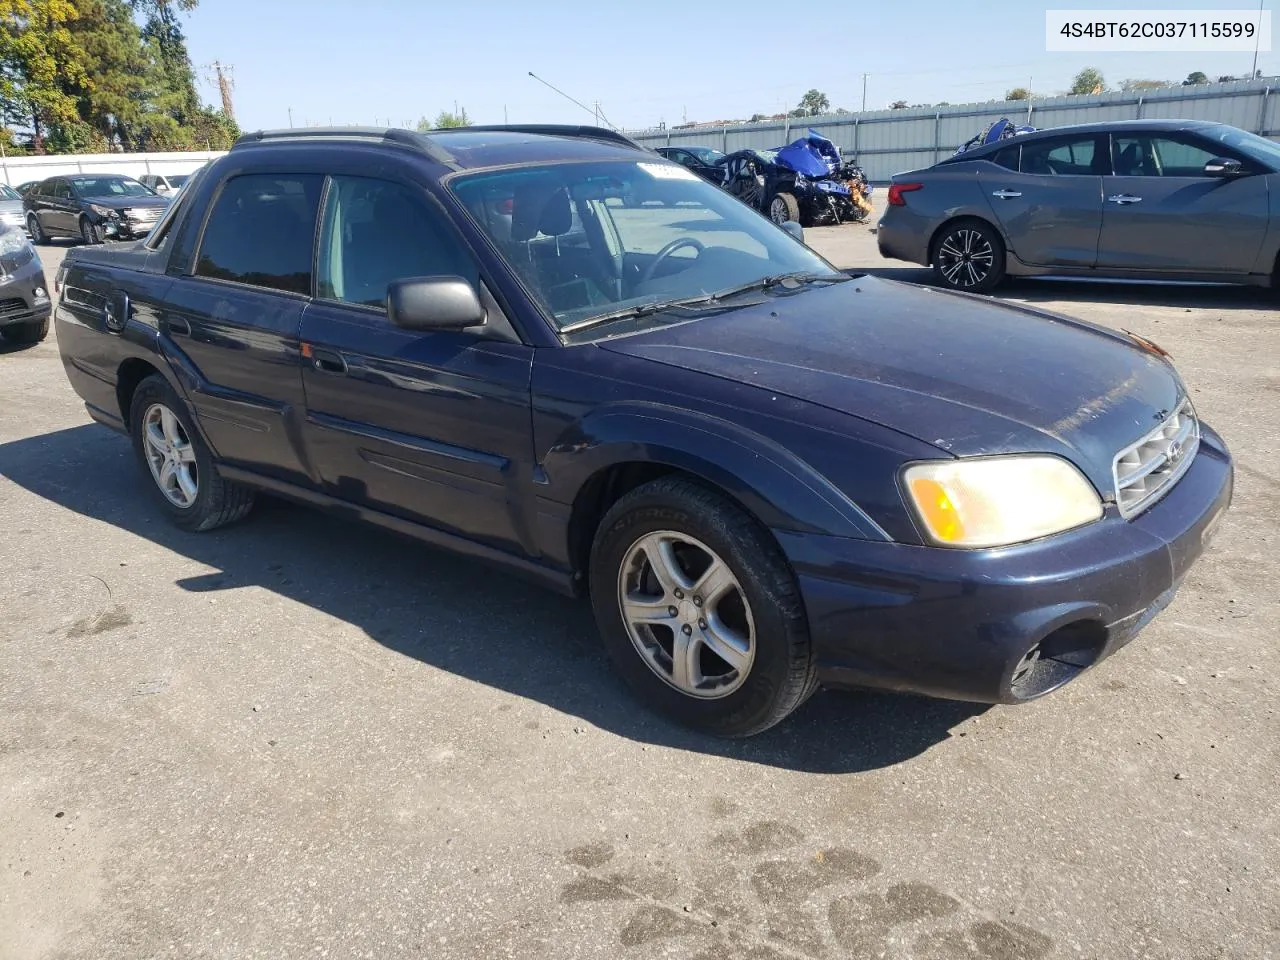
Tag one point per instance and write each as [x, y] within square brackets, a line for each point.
[24, 296]
[701, 160]
[1138, 200]
[767, 475]
[92, 207]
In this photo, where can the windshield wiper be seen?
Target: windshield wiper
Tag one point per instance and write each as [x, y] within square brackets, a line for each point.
[780, 279]
[643, 310]
[704, 300]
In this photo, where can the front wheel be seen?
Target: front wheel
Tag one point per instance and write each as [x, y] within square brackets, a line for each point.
[969, 256]
[38, 236]
[784, 207]
[184, 478]
[699, 610]
[90, 233]
[22, 334]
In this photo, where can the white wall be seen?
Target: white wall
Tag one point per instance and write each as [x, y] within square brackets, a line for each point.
[16, 170]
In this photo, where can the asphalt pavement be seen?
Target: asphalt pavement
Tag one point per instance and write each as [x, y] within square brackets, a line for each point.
[300, 738]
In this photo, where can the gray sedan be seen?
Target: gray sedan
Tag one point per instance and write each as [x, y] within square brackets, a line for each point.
[1141, 199]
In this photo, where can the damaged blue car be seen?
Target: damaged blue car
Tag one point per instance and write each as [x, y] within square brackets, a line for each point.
[806, 181]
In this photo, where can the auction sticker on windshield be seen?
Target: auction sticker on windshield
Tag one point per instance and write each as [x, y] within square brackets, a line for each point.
[667, 171]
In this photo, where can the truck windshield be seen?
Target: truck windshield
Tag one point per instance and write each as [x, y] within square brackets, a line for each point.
[592, 239]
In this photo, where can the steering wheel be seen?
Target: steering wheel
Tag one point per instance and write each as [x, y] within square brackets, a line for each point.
[667, 251]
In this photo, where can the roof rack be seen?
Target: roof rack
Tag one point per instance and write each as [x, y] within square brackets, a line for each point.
[389, 134]
[552, 130]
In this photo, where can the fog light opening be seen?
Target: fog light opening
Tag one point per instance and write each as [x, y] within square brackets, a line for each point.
[1058, 659]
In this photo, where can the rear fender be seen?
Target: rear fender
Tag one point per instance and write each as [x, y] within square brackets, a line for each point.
[779, 489]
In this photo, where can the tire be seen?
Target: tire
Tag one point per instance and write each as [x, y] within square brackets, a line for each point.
[25, 333]
[968, 255]
[784, 207]
[776, 673]
[216, 502]
[89, 231]
[38, 236]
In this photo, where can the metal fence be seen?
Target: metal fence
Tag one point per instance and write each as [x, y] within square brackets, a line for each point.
[16, 170]
[886, 142]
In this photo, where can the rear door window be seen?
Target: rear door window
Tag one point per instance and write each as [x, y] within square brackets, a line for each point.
[1063, 156]
[1008, 157]
[261, 232]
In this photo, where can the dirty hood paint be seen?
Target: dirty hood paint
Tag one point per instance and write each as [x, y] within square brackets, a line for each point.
[970, 375]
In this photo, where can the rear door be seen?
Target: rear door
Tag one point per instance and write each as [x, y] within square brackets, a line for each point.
[236, 319]
[60, 213]
[1162, 213]
[431, 426]
[1050, 204]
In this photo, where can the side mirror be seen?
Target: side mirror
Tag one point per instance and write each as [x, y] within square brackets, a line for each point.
[1222, 167]
[434, 303]
[794, 229]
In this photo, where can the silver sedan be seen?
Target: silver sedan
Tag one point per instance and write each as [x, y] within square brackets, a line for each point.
[1139, 199]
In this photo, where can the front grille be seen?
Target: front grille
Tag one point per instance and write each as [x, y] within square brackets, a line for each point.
[143, 215]
[1145, 471]
[12, 307]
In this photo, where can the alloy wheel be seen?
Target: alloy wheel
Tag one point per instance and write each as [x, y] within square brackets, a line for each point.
[686, 614]
[966, 257]
[778, 210]
[171, 456]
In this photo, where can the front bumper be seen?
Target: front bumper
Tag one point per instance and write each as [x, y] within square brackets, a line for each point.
[18, 286]
[959, 624]
[128, 229]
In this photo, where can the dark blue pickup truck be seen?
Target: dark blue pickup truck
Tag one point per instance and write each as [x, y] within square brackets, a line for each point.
[549, 349]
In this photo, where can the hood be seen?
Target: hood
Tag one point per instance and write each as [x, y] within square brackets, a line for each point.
[117, 202]
[11, 206]
[812, 155]
[969, 375]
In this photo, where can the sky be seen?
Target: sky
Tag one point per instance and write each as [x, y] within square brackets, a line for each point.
[646, 61]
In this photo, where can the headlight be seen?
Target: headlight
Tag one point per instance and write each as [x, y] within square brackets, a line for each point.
[103, 211]
[11, 242]
[997, 501]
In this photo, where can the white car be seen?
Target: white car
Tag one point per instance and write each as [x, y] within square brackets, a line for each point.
[164, 183]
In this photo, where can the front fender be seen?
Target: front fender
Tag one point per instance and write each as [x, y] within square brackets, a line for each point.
[781, 490]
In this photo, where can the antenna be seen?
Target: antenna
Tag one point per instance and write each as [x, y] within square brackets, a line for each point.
[222, 74]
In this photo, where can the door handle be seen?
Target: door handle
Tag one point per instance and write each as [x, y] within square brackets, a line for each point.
[326, 361]
[179, 327]
[1124, 198]
[1007, 194]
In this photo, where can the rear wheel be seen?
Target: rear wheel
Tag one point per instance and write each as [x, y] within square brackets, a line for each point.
[24, 333]
[38, 236]
[184, 478]
[699, 610]
[783, 208]
[968, 255]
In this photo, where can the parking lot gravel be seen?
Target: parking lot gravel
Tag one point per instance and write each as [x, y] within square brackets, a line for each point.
[303, 738]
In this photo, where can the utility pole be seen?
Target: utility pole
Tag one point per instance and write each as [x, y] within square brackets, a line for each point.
[1257, 39]
[579, 103]
[864, 92]
[226, 84]
[291, 118]
[596, 104]
[1030, 87]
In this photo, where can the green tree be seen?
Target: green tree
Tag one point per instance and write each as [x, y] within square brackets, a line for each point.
[898, 105]
[1088, 81]
[1137, 86]
[813, 103]
[1018, 93]
[38, 56]
[1195, 77]
[450, 121]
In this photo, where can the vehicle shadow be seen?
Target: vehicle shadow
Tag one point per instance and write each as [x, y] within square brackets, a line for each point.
[1108, 292]
[454, 614]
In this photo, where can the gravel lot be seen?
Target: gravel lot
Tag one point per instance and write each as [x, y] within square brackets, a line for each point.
[301, 738]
